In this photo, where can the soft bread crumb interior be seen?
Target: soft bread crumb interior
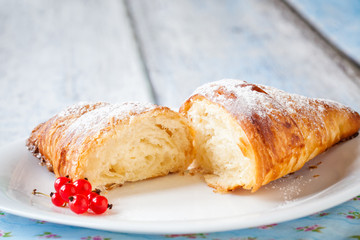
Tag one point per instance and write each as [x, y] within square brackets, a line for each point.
[223, 151]
[145, 148]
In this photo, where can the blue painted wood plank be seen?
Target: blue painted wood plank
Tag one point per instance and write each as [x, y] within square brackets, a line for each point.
[339, 21]
[188, 43]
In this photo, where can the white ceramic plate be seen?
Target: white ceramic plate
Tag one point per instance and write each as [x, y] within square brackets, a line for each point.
[184, 204]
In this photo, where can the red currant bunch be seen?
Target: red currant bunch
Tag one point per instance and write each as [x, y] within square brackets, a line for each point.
[78, 195]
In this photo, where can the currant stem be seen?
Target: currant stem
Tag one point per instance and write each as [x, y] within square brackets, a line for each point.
[35, 192]
[98, 191]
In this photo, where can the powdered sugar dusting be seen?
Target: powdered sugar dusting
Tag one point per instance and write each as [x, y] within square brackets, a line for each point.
[294, 101]
[92, 122]
[234, 89]
[238, 96]
[314, 116]
[79, 108]
[293, 186]
[210, 89]
[246, 100]
[290, 187]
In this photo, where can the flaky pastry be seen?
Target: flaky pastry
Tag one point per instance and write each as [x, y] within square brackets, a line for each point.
[111, 144]
[247, 135]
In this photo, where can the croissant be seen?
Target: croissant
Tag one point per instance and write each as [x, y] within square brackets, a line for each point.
[247, 135]
[111, 144]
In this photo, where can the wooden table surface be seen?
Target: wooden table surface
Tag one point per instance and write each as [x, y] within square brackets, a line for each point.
[56, 53]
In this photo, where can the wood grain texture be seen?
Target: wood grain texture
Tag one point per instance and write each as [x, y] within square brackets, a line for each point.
[56, 53]
[337, 20]
[188, 43]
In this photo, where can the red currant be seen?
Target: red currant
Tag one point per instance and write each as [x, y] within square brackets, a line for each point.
[82, 186]
[66, 191]
[79, 203]
[61, 181]
[56, 199]
[99, 204]
[92, 195]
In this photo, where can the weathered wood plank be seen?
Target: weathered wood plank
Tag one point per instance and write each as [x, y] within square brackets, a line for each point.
[339, 21]
[55, 53]
[187, 43]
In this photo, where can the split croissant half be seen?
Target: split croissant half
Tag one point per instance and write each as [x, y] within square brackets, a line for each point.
[111, 144]
[247, 135]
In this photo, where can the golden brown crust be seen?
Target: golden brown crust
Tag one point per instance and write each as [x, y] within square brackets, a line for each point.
[285, 130]
[46, 140]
